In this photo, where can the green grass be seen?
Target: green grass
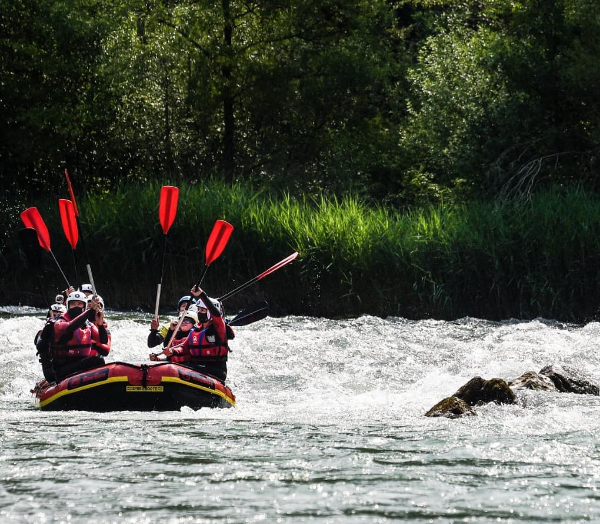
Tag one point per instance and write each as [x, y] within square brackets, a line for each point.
[494, 260]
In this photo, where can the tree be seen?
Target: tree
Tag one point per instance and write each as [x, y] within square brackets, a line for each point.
[502, 97]
[52, 109]
[277, 92]
[300, 95]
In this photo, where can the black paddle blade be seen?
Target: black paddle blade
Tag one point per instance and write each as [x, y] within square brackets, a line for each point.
[251, 314]
[31, 248]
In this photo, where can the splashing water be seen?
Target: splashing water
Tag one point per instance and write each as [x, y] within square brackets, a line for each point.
[328, 428]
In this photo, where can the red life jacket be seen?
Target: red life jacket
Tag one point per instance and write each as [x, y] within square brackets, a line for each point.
[67, 347]
[202, 346]
[99, 348]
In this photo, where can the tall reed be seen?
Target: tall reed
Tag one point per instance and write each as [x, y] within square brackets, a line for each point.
[494, 260]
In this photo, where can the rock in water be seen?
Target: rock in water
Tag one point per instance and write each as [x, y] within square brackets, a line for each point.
[532, 380]
[569, 380]
[451, 407]
[477, 391]
[480, 391]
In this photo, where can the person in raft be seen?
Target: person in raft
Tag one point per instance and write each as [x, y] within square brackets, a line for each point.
[75, 333]
[64, 294]
[188, 323]
[57, 309]
[99, 347]
[43, 336]
[205, 349]
[162, 334]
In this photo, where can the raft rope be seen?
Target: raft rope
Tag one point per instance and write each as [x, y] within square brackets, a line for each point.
[144, 368]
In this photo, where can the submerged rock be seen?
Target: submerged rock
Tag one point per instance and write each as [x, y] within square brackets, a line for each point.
[451, 407]
[480, 391]
[569, 380]
[476, 392]
[532, 380]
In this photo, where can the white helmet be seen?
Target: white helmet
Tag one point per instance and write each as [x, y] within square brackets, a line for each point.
[60, 308]
[200, 303]
[214, 302]
[217, 304]
[101, 300]
[192, 315]
[59, 298]
[77, 295]
[87, 288]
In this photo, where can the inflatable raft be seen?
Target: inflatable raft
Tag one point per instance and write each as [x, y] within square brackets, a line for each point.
[155, 386]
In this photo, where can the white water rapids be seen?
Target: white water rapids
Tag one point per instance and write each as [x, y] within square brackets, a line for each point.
[328, 428]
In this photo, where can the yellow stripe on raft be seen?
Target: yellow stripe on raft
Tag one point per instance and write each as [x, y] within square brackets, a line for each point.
[125, 379]
[197, 386]
[76, 390]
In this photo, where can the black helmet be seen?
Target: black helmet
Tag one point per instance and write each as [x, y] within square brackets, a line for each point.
[187, 298]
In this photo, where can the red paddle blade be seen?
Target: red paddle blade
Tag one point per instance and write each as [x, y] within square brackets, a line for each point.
[31, 218]
[68, 220]
[278, 265]
[71, 193]
[167, 208]
[217, 240]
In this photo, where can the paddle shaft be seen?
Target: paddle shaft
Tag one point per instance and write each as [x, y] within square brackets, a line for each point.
[89, 272]
[176, 331]
[157, 299]
[202, 276]
[272, 269]
[75, 265]
[60, 269]
[162, 272]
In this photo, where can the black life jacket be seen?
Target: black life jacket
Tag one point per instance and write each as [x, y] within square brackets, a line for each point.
[44, 339]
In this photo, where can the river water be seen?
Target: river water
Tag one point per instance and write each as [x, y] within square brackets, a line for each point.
[328, 428]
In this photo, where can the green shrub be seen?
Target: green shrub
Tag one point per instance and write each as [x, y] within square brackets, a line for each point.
[493, 260]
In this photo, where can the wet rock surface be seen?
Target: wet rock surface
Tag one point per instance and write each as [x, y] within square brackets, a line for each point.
[451, 407]
[479, 391]
[570, 380]
[532, 380]
[476, 392]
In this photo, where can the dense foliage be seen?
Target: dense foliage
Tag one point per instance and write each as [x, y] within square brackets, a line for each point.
[475, 124]
[515, 258]
[409, 100]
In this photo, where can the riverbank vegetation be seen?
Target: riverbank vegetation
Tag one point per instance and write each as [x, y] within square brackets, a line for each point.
[427, 158]
[496, 260]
